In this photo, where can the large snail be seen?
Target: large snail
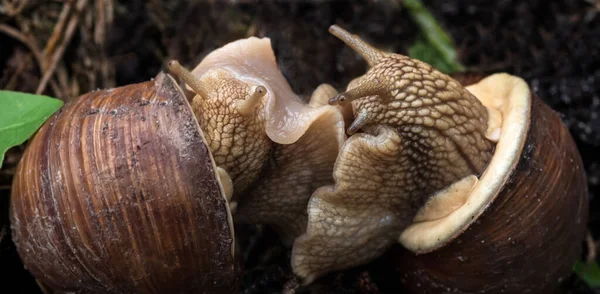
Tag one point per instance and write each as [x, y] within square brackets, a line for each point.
[129, 190]
[132, 189]
[118, 193]
[484, 183]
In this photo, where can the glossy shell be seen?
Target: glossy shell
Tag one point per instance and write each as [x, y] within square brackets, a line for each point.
[528, 238]
[117, 193]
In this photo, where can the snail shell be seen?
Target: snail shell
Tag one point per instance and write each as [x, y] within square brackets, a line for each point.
[118, 193]
[529, 235]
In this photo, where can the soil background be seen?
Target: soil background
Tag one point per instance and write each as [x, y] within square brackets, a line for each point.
[553, 45]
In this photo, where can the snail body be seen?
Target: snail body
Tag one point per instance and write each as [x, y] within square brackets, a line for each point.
[135, 189]
[455, 176]
[276, 148]
[424, 136]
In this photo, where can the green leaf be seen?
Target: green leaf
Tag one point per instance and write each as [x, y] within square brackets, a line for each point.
[21, 114]
[433, 45]
[588, 272]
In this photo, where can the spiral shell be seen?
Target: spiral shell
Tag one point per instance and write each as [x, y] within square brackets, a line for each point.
[118, 193]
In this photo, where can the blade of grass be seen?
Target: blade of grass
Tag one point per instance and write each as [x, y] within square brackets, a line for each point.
[434, 37]
[588, 272]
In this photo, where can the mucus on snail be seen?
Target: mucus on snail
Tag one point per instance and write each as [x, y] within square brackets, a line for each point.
[125, 189]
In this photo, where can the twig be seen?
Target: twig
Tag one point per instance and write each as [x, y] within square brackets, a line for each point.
[33, 47]
[591, 246]
[12, 32]
[104, 19]
[72, 24]
[99, 26]
[57, 31]
[13, 11]
[3, 232]
[291, 285]
[62, 77]
[10, 85]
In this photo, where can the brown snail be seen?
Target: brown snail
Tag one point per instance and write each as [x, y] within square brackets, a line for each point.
[118, 193]
[483, 186]
[529, 237]
[129, 190]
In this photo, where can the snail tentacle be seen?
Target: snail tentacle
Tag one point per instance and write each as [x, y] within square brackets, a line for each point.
[370, 87]
[245, 107]
[191, 80]
[368, 52]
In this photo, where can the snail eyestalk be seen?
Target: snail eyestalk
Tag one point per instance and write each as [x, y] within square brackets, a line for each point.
[188, 78]
[370, 54]
[361, 120]
[368, 88]
[245, 107]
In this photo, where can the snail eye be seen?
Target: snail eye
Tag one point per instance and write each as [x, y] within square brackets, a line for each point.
[245, 107]
[258, 92]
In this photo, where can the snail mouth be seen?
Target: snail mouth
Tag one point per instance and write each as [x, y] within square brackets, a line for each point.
[454, 209]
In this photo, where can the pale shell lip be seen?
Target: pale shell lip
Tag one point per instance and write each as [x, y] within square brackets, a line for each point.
[511, 96]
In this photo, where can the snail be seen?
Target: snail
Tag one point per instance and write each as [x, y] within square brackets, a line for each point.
[118, 193]
[481, 184]
[529, 237]
[132, 189]
[288, 150]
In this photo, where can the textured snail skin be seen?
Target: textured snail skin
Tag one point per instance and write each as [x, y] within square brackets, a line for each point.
[117, 193]
[236, 138]
[422, 133]
[292, 173]
[528, 239]
[242, 127]
[276, 148]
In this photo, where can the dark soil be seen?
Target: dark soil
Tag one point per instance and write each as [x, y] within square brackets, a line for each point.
[554, 45]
